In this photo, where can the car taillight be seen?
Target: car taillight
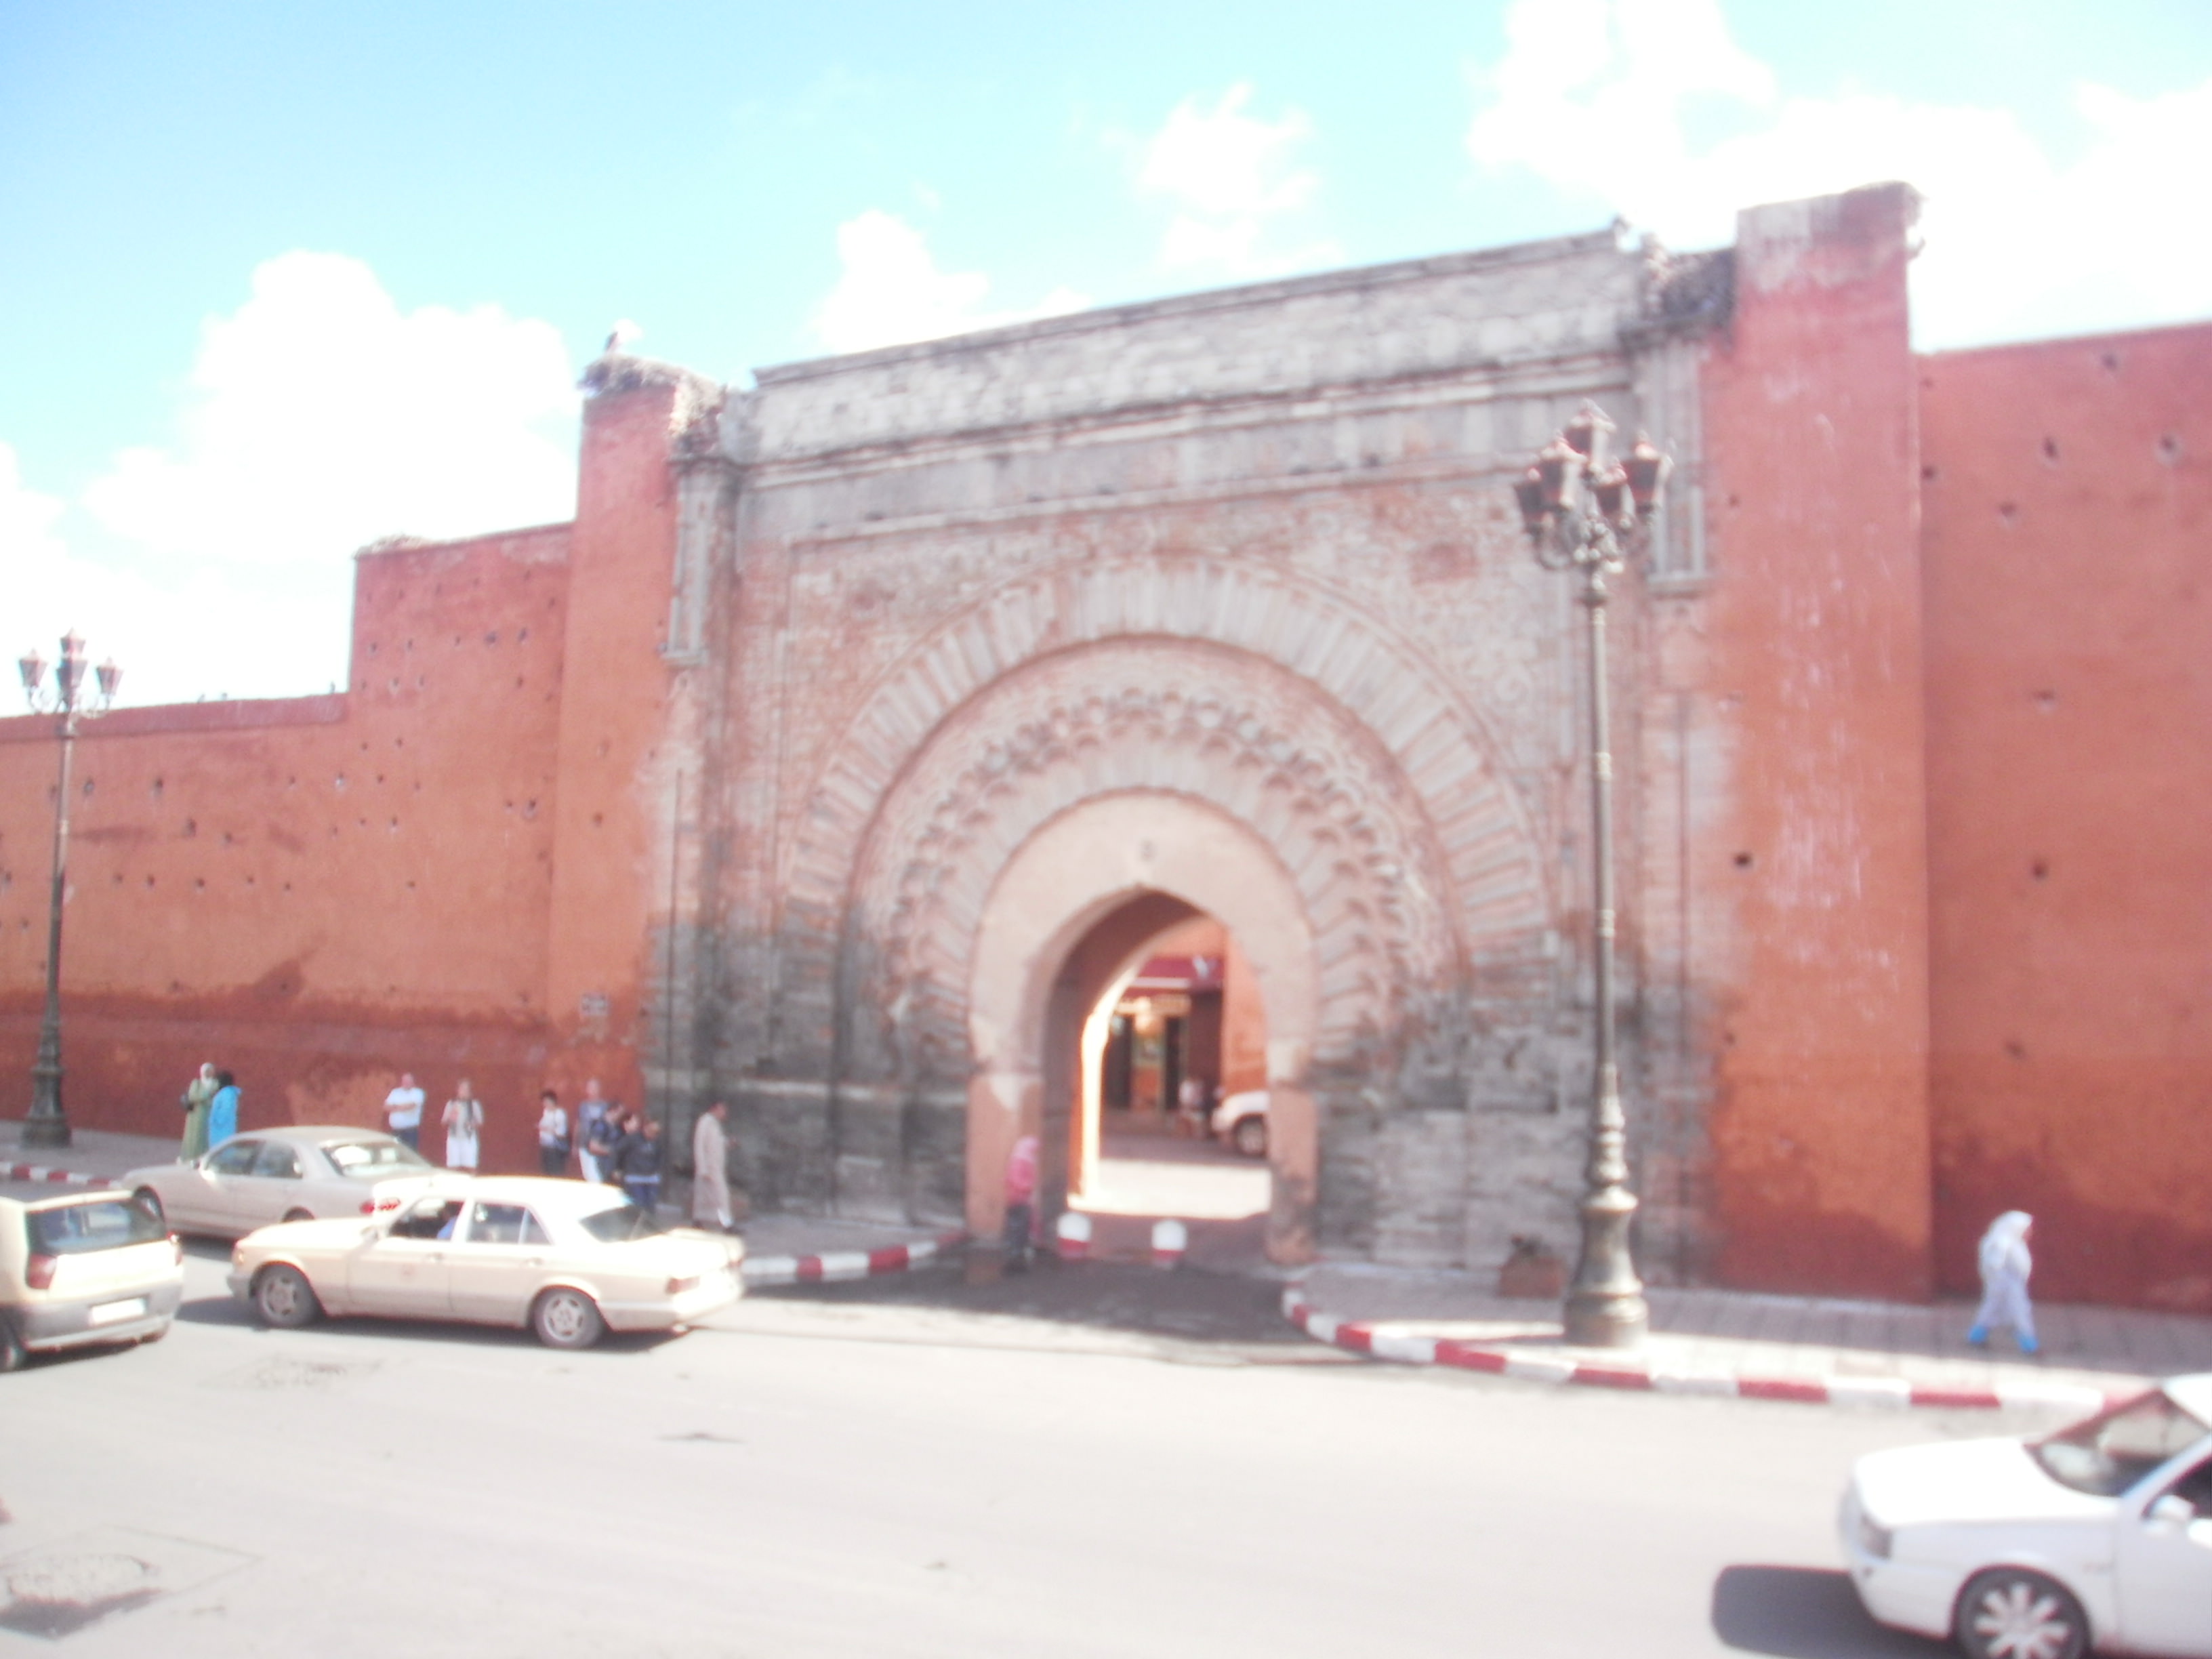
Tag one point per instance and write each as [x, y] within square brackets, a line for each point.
[39, 1272]
[677, 1286]
[368, 1206]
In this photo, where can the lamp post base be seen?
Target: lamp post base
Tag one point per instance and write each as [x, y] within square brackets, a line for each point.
[1608, 1321]
[47, 1126]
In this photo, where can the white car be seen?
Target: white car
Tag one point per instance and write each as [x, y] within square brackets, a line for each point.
[569, 1259]
[83, 1268]
[1241, 1119]
[2100, 1535]
[299, 1173]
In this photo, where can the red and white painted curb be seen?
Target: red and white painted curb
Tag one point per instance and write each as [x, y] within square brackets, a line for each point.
[835, 1266]
[1383, 1340]
[57, 1177]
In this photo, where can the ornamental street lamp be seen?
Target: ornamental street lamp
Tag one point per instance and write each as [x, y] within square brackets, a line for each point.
[1587, 513]
[70, 702]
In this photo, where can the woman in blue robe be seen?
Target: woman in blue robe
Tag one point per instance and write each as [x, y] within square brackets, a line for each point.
[222, 1110]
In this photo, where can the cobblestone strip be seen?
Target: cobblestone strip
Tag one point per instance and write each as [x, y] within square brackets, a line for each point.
[1379, 1340]
[837, 1265]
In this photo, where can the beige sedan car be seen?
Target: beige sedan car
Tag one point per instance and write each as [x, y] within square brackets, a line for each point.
[83, 1268]
[569, 1259]
[299, 1173]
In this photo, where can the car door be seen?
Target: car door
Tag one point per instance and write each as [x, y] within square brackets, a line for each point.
[273, 1186]
[225, 1178]
[494, 1268]
[403, 1273]
[2164, 1562]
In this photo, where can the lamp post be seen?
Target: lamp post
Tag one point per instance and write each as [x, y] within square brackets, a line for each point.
[71, 702]
[1587, 513]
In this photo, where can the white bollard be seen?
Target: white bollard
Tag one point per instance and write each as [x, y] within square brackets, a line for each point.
[1169, 1238]
[1073, 1229]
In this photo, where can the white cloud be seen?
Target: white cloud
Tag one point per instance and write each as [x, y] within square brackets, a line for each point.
[1230, 178]
[1595, 97]
[319, 418]
[890, 291]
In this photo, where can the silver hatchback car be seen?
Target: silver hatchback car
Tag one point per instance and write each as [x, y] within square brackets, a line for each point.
[81, 1268]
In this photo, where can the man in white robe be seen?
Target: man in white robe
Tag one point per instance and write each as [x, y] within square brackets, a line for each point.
[710, 1169]
[2005, 1265]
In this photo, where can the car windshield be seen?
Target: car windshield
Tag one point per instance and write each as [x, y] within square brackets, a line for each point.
[624, 1221]
[2110, 1453]
[106, 1225]
[365, 1160]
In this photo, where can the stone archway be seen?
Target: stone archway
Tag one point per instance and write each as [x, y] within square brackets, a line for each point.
[1154, 856]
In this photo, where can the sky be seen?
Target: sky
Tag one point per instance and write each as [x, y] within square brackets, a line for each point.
[284, 279]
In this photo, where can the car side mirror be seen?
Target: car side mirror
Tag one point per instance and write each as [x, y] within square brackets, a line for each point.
[2172, 1512]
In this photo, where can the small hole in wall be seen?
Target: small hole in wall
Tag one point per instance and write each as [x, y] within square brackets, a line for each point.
[1743, 860]
[2008, 511]
[2045, 701]
[597, 820]
[199, 885]
[2169, 448]
[521, 634]
[2017, 1049]
[2111, 361]
[1735, 500]
[2050, 451]
[150, 884]
[2039, 869]
[157, 789]
[192, 828]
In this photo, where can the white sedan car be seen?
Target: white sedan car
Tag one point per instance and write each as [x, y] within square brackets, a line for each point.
[1242, 1120]
[569, 1259]
[2098, 1536]
[299, 1173]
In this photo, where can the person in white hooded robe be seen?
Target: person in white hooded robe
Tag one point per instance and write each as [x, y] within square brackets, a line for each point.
[2005, 1266]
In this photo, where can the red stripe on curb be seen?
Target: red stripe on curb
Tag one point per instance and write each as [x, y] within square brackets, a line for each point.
[1604, 1376]
[1970, 1399]
[1357, 1338]
[890, 1259]
[809, 1268]
[1781, 1388]
[1467, 1359]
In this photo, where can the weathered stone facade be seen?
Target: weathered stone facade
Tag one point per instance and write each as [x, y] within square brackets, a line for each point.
[1250, 549]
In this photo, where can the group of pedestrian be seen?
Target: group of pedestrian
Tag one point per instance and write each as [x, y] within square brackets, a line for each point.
[463, 1121]
[210, 1103]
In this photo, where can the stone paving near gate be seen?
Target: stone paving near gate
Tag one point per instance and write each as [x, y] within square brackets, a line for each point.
[1743, 1333]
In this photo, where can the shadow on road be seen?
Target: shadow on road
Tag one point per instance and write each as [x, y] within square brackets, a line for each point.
[1806, 1613]
[1182, 1303]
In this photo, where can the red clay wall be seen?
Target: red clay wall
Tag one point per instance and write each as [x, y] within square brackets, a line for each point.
[1808, 870]
[314, 892]
[2069, 521]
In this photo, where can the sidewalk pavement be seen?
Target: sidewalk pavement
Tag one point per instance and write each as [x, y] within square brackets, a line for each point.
[1789, 1348]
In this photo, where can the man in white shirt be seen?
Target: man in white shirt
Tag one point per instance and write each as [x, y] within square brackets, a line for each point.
[710, 1167]
[403, 1111]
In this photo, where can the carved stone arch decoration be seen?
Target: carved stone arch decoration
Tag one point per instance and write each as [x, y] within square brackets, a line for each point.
[1491, 881]
[1257, 744]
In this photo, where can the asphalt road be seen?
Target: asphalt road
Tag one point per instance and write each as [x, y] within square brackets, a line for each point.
[1090, 1461]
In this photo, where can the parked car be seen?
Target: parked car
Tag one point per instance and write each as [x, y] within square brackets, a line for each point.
[1241, 1120]
[569, 1259]
[302, 1173]
[2100, 1535]
[84, 1267]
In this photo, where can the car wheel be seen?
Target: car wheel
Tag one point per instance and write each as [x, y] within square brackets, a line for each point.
[1250, 1137]
[12, 1352]
[285, 1298]
[299, 1215]
[2008, 1613]
[150, 1201]
[567, 1319]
